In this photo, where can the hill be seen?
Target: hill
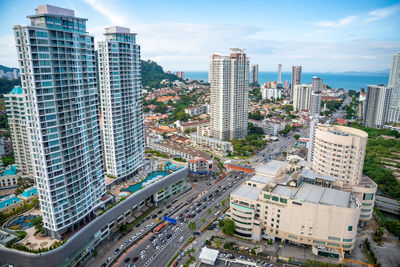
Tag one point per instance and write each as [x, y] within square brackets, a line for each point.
[6, 69]
[153, 74]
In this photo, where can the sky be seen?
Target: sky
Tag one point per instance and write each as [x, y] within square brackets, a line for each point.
[321, 36]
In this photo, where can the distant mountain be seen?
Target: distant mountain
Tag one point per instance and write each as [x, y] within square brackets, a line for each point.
[6, 69]
[153, 74]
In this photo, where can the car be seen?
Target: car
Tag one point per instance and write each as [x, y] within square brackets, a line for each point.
[159, 212]
[135, 259]
[108, 259]
[137, 225]
[127, 259]
[152, 238]
[218, 187]
[169, 206]
[116, 251]
[175, 264]
[154, 216]
[196, 233]
[157, 220]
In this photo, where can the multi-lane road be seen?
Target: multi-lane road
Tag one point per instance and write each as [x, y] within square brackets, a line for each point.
[161, 253]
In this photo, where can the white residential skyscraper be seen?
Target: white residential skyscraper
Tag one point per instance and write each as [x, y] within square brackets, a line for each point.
[254, 73]
[315, 104]
[301, 96]
[377, 105]
[296, 79]
[58, 74]
[229, 87]
[279, 84]
[17, 120]
[121, 102]
[394, 83]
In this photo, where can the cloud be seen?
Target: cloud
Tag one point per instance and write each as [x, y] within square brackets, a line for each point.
[337, 24]
[8, 53]
[115, 17]
[382, 13]
[371, 16]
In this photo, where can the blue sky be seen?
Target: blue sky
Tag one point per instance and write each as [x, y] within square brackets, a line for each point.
[357, 35]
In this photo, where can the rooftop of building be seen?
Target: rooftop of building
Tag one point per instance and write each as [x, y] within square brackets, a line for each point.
[309, 174]
[17, 90]
[322, 195]
[8, 201]
[341, 130]
[183, 148]
[284, 191]
[10, 171]
[246, 191]
[261, 179]
[208, 254]
[271, 168]
[29, 192]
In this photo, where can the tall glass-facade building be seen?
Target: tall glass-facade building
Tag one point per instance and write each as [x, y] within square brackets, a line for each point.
[121, 102]
[56, 57]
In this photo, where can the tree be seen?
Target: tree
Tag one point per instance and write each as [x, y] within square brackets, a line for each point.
[203, 220]
[223, 203]
[8, 160]
[229, 227]
[296, 136]
[218, 243]
[192, 226]
[221, 223]
[161, 109]
[209, 211]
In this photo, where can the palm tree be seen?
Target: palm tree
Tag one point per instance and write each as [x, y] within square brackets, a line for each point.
[223, 203]
[192, 226]
[216, 207]
[203, 220]
[209, 211]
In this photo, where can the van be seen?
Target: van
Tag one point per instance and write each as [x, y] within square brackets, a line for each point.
[218, 213]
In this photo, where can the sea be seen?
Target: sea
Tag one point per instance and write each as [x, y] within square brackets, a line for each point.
[345, 80]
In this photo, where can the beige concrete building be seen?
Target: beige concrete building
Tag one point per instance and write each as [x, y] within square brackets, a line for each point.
[306, 210]
[283, 200]
[339, 151]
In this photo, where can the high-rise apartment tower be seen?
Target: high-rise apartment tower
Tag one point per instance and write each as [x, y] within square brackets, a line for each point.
[56, 56]
[229, 86]
[120, 87]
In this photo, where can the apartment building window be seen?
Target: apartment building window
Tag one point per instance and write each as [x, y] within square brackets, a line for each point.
[350, 228]
[368, 196]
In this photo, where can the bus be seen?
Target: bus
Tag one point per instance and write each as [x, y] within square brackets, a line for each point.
[159, 228]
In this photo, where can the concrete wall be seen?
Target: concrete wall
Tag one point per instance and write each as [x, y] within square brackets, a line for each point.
[61, 255]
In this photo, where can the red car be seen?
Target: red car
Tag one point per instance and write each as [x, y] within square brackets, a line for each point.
[175, 263]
